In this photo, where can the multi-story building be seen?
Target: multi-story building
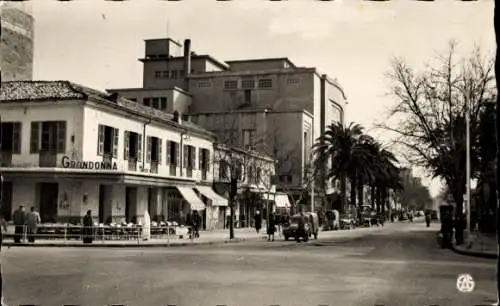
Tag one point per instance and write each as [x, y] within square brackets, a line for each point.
[16, 44]
[67, 149]
[276, 87]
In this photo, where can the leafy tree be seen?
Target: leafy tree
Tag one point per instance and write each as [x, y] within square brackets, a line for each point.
[428, 116]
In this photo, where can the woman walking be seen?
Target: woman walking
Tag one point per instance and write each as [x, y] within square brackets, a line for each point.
[271, 227]
[258, 221]
[88, 223]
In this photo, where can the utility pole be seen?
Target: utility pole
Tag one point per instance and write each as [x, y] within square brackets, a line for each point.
[468, 168]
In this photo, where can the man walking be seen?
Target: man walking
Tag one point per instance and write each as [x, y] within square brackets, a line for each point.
[19, 223]
[32, 224]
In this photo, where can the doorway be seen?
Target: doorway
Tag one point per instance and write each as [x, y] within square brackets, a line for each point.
[131, 204]
[6, 209]
[48, 195]
[102, 199]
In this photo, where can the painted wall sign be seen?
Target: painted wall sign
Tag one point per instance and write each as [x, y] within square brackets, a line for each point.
[67, 162]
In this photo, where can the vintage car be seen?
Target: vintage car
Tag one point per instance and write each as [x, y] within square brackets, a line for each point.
[311, 227]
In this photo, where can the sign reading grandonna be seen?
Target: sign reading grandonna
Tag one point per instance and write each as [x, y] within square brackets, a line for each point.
[92, 165]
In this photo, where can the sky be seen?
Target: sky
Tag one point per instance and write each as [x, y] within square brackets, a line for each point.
[97, 43]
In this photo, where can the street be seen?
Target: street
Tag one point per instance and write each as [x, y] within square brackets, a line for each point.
[401, 264]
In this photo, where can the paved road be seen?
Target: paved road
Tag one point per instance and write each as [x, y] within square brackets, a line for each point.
[399, 265]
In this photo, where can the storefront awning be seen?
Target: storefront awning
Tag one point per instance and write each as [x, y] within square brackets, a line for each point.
[282, 200]
[190, 196]
[216, 199]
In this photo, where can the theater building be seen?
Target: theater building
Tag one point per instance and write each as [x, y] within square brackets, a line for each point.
[67, 149]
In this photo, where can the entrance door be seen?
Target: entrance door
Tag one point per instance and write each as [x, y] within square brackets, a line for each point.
[131, 204]
[6, 209]
[49, 193]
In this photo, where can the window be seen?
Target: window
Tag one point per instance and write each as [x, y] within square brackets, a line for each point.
[165, 74]
[11, 137]
[173, 153]
[146, 101]
[48, 136]
[230, 84]
[173, 74]
[223, 168]
[107, 141]
[248, 138]
[132, 146]
[248, 83]
[248, 97]
[251, 177]
[265, 83]
[258, 175]
[153, 150]
[158, 74]
[293, 82]
[204, 84]
[189, 157]
[181, 73]
[163, 104]
[155, 103]
[204, 159]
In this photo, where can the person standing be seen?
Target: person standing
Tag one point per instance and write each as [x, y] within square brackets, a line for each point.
[257, 221]
[271, 226]
[196, 223]
[4, 227]
[32, 224]
[88, 224]
[19, 219]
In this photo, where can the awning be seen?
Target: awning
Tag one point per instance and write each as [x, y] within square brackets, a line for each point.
[282, 200]
[216, 199]
[190, 196]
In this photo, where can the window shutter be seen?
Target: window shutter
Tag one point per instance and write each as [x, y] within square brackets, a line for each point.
[61, 137]
[116, 133]
[139, 147]
[16, 138]
[193, 158]
[169, 152]
[159, 151]
[177, 154]
[200, 158]
[35, 137]
[207, 160]
[148, 152]
[126, 144]
[185, 157]
[100, 140]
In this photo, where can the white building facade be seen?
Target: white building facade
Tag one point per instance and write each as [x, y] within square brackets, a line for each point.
[67, 149]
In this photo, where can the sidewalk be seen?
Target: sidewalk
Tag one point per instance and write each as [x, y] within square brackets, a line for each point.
[483, 245]
[206, 238]
[218, 237]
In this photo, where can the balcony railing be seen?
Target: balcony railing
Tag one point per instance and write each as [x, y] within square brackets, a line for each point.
[173, 170]
[189, 172]
[132, 165]
[47, 159]
[5, 159]
[154, 167]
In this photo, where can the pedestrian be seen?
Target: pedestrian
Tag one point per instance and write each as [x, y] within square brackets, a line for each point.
[19, 223]
[428, 219]
[257, 221]
[301, 228]
[271, 226]
[196, 223]
[32, 224]
[88, 224]
[4, 227]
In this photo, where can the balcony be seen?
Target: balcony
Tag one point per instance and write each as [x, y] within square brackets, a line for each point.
[189, 172]
[154, 167]
[132, 164]
[47, 159]
[173, 170]
[5, 159]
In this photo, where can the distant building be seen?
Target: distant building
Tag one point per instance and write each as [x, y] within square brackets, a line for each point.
[298, 103]
[17, 37]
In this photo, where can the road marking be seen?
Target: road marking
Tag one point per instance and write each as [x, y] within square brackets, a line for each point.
[465, 283]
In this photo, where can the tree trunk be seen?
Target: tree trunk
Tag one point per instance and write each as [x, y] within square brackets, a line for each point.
[379, 198]
[372, 191]
[497, 123]
[360, 192]
[384, 200]
[343, 192]
[353, 191]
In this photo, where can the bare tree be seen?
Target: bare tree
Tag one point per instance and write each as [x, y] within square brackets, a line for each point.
[428, 118]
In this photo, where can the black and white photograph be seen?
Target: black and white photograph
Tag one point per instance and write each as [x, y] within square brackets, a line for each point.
[249, 153]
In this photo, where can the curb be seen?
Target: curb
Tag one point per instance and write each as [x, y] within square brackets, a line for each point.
[486, 255]
[122, 245]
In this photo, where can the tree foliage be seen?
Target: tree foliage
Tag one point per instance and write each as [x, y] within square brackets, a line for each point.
[428, 118]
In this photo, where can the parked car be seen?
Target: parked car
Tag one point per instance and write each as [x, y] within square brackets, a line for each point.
[346, 221]
[311, 227]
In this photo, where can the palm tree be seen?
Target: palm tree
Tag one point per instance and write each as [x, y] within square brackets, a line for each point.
[342, 147]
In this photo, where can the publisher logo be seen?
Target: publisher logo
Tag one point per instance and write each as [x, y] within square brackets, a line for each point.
[465, 283]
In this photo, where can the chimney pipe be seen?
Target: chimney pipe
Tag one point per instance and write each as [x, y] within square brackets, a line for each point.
[187, 62]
